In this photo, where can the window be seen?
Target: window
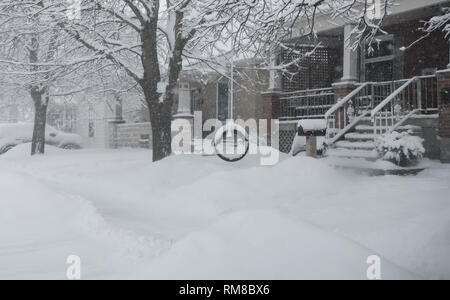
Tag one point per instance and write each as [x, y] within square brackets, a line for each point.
[222, 101]
[378, 64]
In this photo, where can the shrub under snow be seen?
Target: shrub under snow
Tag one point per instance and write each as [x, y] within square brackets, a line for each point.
[402, 149]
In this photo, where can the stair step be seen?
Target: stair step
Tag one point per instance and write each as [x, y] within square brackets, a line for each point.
[370, 119]
[355, 136]
[356, 145]
[347, 153]
[370, 128]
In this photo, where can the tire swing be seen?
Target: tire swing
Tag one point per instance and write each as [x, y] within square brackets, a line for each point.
[231, 141]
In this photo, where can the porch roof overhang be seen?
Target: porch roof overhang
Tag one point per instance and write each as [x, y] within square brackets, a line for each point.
[402, 11]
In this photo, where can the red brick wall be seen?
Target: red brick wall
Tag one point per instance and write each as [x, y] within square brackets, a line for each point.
[340, 92]
[432, 52]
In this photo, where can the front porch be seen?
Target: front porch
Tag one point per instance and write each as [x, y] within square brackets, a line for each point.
[363, 93]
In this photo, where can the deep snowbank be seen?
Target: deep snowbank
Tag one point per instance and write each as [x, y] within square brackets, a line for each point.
[195, 217]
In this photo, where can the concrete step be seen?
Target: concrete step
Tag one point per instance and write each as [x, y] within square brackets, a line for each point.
[347, 153]
[369, 121]
[356, 145]
[355, 136]
[364, 128]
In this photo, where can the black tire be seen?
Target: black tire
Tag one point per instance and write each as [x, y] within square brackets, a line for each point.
[236, 134]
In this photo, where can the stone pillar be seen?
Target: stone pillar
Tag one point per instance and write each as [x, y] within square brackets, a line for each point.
[341, 90]
[443, 78]
[350, 73]
[184, 106]
[311, 146]
[184, 100]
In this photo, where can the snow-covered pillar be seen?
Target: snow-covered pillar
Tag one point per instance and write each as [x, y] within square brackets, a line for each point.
[184, 109]
[184, 100]
[350, 57]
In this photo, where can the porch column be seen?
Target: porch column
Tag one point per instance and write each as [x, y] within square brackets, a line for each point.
[184, 100]
[444, 113]
[184, 107]
[350, 57]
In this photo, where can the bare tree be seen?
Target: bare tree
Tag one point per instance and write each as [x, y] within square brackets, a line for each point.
[148, 41]
[33, 55]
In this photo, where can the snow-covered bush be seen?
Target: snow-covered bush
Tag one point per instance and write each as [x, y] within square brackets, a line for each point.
[402, 149]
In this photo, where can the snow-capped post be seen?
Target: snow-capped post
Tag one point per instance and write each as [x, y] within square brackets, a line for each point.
[311, 129]
[443, 78]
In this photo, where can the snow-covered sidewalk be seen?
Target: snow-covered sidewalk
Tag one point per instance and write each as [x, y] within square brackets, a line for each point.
[193, 217]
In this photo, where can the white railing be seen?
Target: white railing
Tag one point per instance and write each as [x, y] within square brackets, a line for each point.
[306, 104]
[347, 112]
[389, 104]
[413, 96]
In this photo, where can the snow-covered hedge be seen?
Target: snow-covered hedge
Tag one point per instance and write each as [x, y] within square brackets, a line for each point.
[402, 149]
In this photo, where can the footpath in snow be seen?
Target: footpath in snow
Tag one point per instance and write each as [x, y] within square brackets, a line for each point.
[193, 217]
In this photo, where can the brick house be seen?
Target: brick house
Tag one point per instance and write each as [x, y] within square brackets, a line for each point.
[364, 94]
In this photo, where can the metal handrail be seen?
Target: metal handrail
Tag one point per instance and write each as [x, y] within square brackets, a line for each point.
[402, 121]
[344, 101]
[347, 128]
[392, 96]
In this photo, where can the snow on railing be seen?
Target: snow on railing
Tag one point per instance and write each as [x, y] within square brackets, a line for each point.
[391, 101]
[414, 96]
[345, 114]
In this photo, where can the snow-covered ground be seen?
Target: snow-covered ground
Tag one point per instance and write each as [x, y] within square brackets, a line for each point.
[194, 217]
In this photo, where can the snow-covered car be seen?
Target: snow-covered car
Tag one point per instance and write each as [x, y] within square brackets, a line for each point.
[12, 135]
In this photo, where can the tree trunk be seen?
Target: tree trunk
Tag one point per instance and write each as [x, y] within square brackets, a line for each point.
[40, 121]
[161, 122]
